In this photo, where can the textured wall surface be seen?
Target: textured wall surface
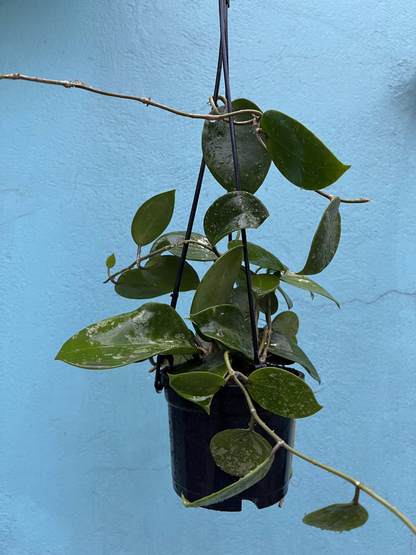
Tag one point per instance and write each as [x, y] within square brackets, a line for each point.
[85, 467]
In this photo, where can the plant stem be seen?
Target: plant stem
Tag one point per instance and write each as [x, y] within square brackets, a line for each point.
[358, 485]
[347, 200]
[81, 85]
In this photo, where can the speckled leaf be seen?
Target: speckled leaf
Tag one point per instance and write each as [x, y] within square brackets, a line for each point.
[303, 282]
[111, 261]
[260, 257]
[254, 162]
[288, 324]
[274, 304]
[152, 218]
[282, 393]
[239, 451]
[325, 241]
[286, 297]
[261, 284]
[216, 285]
[298, 154]
[226, 324]
[241, 485]
[341, 517]
[197, 387]
[152, 329]
[284, 347]
[195, 252]
[213, 363]
[231, 212]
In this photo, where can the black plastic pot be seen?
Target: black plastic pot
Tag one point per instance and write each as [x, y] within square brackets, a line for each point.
[194, 472]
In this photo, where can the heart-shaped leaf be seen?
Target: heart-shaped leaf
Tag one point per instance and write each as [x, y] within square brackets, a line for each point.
[197, 387]
[260, 257]
[254, 162]
[111, 261]
[302, 282]
[239, 451]
[282, 393]
[288, 324]
[152, 218]
[234, 489]
[298, 154]
[153, 329]
[226, 324]
[282, 346]
[216, 285]
[195, 252]
[341, 517]
[325, 241]
[231, 212]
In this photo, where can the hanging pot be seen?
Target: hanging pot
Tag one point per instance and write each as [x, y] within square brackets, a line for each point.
[194, 472]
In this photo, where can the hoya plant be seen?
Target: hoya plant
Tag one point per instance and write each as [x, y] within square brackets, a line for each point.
[241, 327]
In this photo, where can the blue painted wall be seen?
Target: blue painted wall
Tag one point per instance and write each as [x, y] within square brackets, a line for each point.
[84, 455]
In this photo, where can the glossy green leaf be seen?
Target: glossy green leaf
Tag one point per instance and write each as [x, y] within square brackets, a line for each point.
[216, 285]
[341, 517]
[241, 485]
[325, 241]
[282, 393]
[274, 305]
[261, 284]
[254, 162]
[152, 329]
[231, 212]
[195, 252]
[111, 261]
[260, 257]
[226, 324]
[152, 218]
[213, 363]
[239, 451]
[298, 154]
[239, 297]
[282, 346]
[156, 278]
[197, 387]
[134, 285]
[287, 323]
[303, 282]
[286, 297]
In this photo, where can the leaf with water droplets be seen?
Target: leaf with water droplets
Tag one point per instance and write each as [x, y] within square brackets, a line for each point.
[282, 346]
[195, 252]
[307, 284]
[341, 517]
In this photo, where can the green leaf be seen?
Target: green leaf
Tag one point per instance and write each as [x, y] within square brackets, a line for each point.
[195, 252]
[261, 284]
[153, 329]
[286, 297]
[111, 261]
[213, 363]
[282, 393]
[325, 241]
[226, 324]
[216, 285]
[254, 162]
[298, 154]
[239, 298]
[239, 451]
[198, 387]
[152, 218]
[303, 282]
[274, 305]
[156, 278]
[288, 324]
[231, 212]
[234, 489]
[260, 257]
[341, 517]
[282, 346]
